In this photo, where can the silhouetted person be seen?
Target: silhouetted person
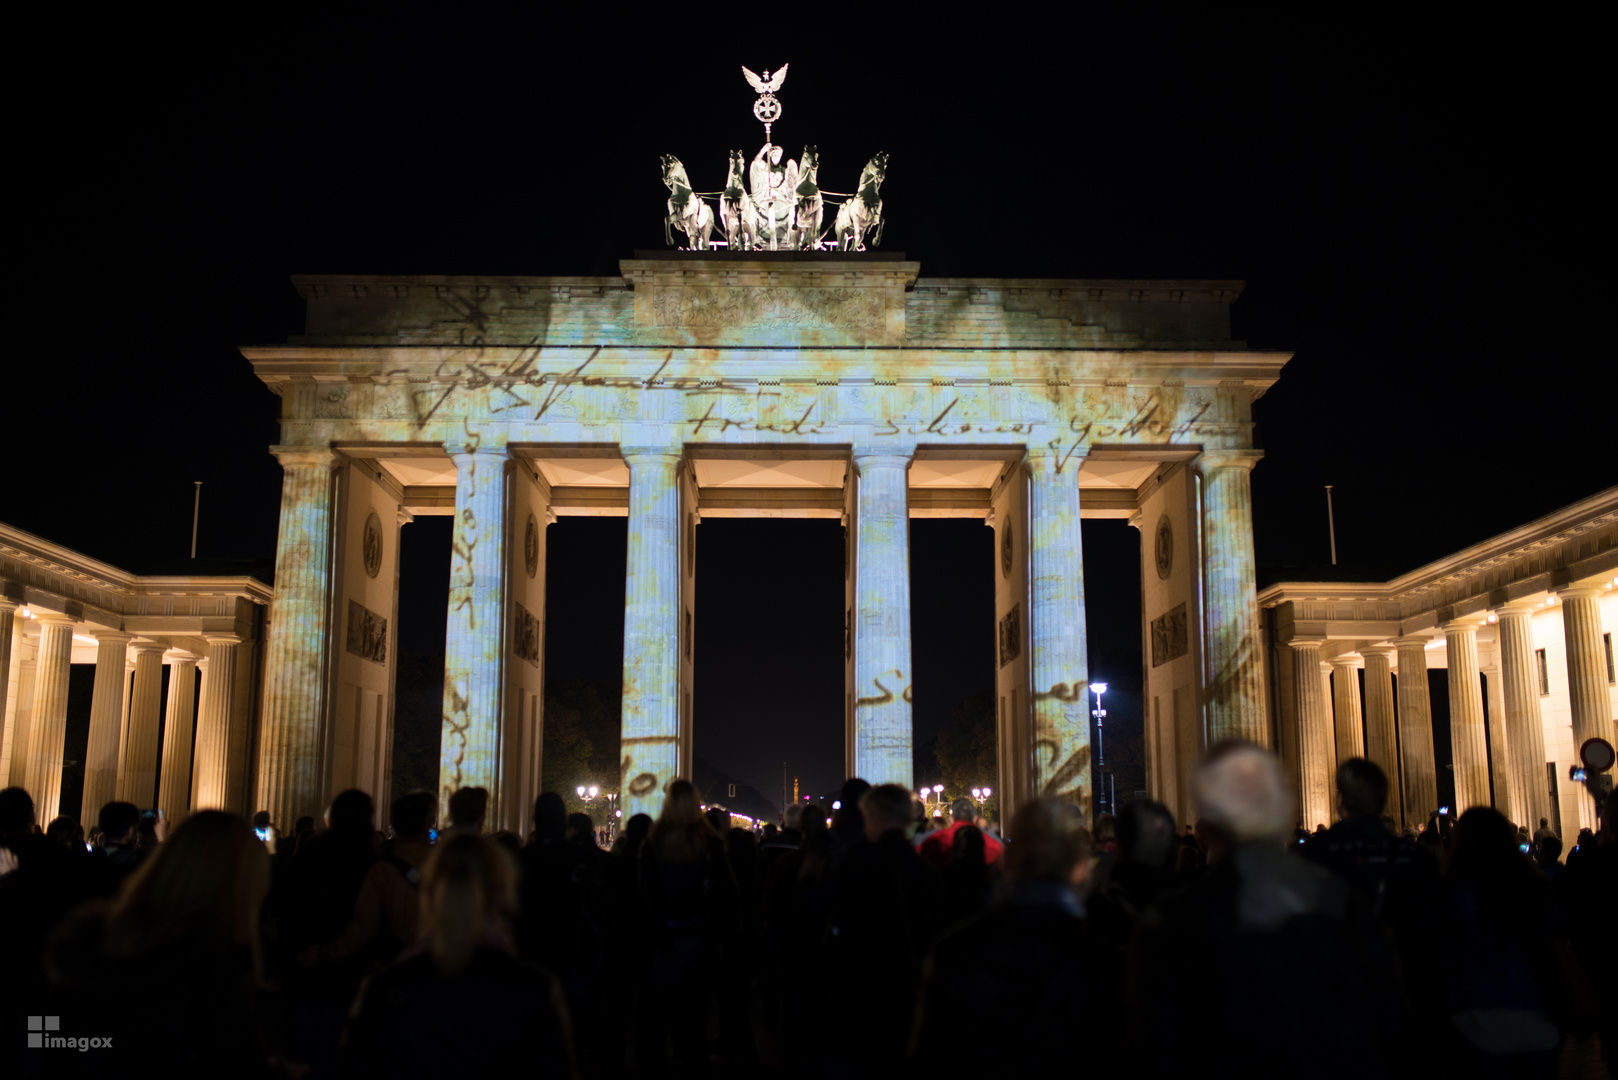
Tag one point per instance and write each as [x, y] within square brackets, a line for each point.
[1499, 923]
[117, 857]
[936, 848]
[468, 807]
[459, 1002]
[553, 929]
[1222, 965]
[1143, 869]
[1396, 879]
[1585, 889]
[313, 902]
[967, 879]
[383, 921]
[1548, 857]
[884, 909]
[690, 899]
[1021, 980]
[168, 970]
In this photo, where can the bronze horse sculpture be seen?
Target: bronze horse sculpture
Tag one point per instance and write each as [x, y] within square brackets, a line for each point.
[736, 209]
[686, 209]
[809, 216]
[861, 216]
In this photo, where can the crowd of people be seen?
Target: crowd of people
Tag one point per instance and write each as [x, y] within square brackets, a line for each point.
[846, 946]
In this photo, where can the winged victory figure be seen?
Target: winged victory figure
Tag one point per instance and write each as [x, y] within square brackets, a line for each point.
[768, 84]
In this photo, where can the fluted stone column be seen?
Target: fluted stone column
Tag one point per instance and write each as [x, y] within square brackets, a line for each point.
[213, 724]
[1416, 730]
[474, 647]
[292, 735]
[137, 777]
[123, 723]
[1586, 665]
[1507, 799]
[22, 710]
[1525, 731]
[1348, 729]
[1381, 741]
[1234, 661]
[8, 618]
[1466, 717]
[882, 666]
[1058, 638]
[651, 702]
[179, 730]
[1315, 766]
[106, 717]
[48, 734]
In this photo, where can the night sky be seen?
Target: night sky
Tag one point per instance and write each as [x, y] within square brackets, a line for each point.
[1407, 200]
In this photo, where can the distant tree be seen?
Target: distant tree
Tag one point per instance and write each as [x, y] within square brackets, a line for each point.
[966, 749]
[418, 712]
[577, 749]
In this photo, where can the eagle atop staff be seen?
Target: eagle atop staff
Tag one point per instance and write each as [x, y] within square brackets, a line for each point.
[766, 85]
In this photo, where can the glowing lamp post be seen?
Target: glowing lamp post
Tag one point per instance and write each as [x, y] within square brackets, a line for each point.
[1099, 688]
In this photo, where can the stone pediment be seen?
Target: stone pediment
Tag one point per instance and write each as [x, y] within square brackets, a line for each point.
[760, 302]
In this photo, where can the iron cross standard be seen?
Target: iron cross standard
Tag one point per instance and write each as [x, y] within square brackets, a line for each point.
[768, 107]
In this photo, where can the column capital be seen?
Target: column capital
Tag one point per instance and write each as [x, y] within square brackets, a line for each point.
[1516, 608]
[1227, 459]
[1412, 641]
[865, 457]
[54, 618]
[145, 646]
[650, 455]
[179, 656]
[1306, 642]
[1468, 625]
[108, 637]
[402, 517]
[8, 605]
[315, 457]
[464, 447]
[1581, 592]
[1325, 667]
[1378, 650]
[1346, 660]
[222, 639]
[1061, 454]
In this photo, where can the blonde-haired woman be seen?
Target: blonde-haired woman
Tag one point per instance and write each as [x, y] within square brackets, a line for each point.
[459, 999]
[168, 971]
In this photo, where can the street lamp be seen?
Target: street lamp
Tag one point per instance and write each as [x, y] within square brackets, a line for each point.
[1099, 688]
[580, 790]
[594, 791]
[977, 793]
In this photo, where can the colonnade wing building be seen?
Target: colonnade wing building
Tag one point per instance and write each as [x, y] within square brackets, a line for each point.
[699, 385]
[1521, 624]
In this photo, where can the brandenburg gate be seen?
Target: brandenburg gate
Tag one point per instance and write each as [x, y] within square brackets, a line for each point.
[706, 384]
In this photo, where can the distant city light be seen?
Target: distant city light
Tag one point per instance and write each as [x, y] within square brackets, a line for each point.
[837, 804]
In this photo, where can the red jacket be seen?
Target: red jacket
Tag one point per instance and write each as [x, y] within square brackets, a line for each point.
[936, 848]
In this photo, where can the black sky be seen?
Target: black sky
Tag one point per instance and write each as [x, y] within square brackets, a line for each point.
[1413, 203]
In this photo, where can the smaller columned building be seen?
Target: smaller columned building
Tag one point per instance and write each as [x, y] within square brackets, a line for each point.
[1521, 625]
[178, 662]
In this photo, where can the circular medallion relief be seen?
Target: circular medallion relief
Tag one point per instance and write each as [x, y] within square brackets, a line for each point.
[1007, 546]
[371, 545]
[1163, 546]
[530, 546]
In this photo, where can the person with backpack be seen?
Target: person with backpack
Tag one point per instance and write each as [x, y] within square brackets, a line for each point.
[385, 911]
